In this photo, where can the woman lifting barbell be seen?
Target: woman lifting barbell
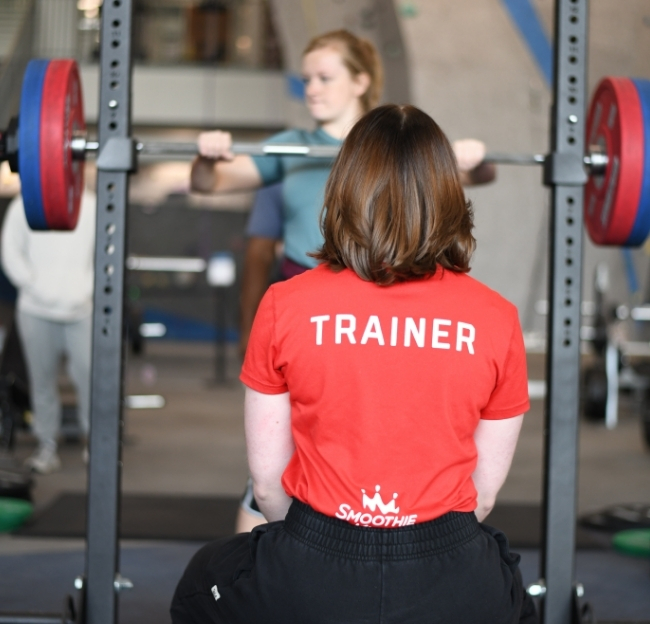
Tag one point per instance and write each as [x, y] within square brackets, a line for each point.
[385, 393]
[343, 79]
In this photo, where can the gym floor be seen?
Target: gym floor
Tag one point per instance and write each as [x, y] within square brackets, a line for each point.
[194, 445]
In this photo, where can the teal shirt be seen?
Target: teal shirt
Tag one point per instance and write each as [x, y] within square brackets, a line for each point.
[302, 191]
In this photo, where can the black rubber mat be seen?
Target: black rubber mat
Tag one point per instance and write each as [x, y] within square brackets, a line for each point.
[197, 518]
[523, 525]
[142, 517]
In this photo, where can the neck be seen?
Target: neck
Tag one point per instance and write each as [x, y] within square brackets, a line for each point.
[340, 127]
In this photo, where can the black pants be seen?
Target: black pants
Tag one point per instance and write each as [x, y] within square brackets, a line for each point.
[311, 568]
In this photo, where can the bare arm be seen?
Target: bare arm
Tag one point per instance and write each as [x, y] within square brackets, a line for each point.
[270, 446]
[260, 255]
[495, 442]
[218, 170]
[473, 171]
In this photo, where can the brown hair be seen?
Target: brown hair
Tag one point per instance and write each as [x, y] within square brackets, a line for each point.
[394, 205]
[359, 56]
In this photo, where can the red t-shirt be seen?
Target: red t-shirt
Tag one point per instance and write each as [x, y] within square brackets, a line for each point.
[387, 385]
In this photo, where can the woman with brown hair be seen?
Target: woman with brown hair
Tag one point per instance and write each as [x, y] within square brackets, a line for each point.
[343, 78]
[385, 393]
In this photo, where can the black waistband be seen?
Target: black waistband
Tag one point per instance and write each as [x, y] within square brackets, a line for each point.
[353, 542]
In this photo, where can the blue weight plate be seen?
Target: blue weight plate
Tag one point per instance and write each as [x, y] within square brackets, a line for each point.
[641, 227]
[29, 143]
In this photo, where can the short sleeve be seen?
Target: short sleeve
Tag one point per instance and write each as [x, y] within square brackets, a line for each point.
[259, 371]
[266, 217]
[510, 395]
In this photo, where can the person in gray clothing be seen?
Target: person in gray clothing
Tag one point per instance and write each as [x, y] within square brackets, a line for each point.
[53, 272]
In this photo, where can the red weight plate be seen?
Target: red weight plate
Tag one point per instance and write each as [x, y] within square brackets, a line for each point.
[62, 118]
[615, 124]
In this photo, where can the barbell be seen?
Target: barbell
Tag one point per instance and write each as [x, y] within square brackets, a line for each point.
[47, 145]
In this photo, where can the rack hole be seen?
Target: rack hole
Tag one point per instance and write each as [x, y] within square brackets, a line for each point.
[572, 38]
[569, 241]
[108, 290]
[568, 302]
[567, 342]
[109, 269]
[572, 100]
[110, 187]
[116, 24]
[115, 43]
[117, 3]
[573, 19]
[105, 331]
[115, 64]
[569, 220]
[113, 125]
[108, 310]
[571, 140]
[115, 84]
[110, 229]
[573, 59]
[569, 261]
[568, 281]
[570, 200]
[110, 207]
[573, 79]
[110, 249]
[567, 322]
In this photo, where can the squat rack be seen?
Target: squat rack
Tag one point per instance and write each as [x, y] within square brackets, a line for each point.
[563, 173]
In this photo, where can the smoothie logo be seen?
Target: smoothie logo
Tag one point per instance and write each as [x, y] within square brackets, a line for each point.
[376, 501]
[387, 517]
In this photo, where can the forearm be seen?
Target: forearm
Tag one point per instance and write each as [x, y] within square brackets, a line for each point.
[260, 255]
[483, 174]
[270, 446]
[224, 176]
[495, 441]
[203, 175]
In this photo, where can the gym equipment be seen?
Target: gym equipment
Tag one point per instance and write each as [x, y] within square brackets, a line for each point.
[13, 512]
[564, 173]
[51, 130]
[614, 117]
[618, 518]
[635, 542]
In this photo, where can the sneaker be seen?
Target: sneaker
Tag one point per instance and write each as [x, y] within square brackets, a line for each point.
[44, 460]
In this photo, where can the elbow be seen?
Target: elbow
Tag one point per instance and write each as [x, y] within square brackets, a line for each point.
[263, 492]
[484, 506]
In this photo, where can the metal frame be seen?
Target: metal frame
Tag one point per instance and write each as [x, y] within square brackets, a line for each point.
[103, 581]
[564, 173]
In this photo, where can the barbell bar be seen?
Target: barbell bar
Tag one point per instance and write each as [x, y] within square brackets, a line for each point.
[595, 160]
[48, 144]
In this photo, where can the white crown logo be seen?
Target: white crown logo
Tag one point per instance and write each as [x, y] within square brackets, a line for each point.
[376, 501]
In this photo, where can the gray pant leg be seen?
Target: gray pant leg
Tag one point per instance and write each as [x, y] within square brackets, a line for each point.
[77, 337]
[42, 342]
